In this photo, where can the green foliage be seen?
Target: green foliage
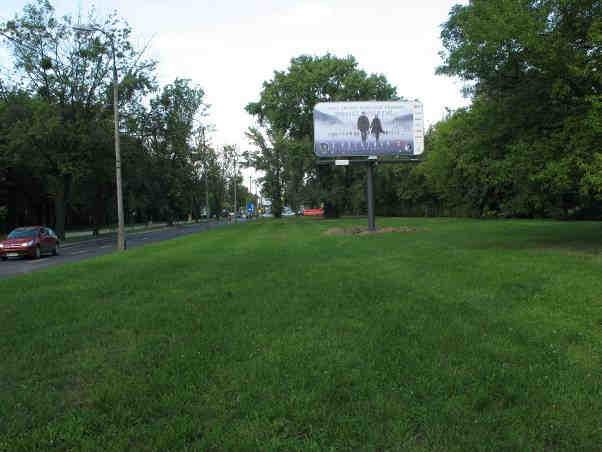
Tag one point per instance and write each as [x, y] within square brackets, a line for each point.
[57, 157]
[285, 110]
[66, 77]
[530, 143]
[286, 102]
[170, 125]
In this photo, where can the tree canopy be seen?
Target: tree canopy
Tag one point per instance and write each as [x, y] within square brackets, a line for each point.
[285, 112]
[57, 161]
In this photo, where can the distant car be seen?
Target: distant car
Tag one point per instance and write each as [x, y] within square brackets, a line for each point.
[31, 241]
[288, 212]
[267, 214]
[313, 212]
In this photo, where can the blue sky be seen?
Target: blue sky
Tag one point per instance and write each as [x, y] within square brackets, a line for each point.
[230, 47]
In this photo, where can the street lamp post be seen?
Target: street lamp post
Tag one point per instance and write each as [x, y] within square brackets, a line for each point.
[207, 212]
[235, 203]
[120, 217]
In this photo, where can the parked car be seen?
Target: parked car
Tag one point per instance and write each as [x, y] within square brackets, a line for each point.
[31, 241]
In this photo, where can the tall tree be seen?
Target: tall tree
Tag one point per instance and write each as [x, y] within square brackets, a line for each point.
[527, 146]
[171, 124]
[71, 72]
[285, 110]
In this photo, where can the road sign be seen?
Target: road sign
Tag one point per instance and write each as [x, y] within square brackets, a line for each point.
[250, 208]
[347, 129]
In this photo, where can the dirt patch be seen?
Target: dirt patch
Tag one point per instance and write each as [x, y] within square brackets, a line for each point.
[362, 230]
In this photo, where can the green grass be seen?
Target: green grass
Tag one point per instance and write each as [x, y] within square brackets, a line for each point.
[464, 335]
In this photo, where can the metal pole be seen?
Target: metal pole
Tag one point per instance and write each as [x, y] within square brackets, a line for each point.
[121, 244]
[207, 212]
[235, 204]
[249, 198]
[370, 197]
[120, 220]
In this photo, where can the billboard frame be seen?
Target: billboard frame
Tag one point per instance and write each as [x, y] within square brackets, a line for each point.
[337, 129]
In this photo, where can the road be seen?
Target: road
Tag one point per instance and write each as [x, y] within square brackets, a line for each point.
[85, 249]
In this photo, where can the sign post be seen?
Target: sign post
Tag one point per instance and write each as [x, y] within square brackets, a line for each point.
[359, 132]
[370, 197]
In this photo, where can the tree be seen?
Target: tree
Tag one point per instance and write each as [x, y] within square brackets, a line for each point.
[527, 146]
[270, 157]
[285, 111]
[70, 72]
[170, 126]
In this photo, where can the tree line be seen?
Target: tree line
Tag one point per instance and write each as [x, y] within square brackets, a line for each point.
[530, 144]
[57, 158]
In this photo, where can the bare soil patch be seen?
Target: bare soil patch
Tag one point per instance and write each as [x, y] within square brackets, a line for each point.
[363, 230]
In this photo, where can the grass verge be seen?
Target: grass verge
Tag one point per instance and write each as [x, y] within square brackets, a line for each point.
[459, 335]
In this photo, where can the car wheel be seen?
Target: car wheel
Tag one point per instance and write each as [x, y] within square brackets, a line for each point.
[4, 258]
[38, 253]
[55, 250]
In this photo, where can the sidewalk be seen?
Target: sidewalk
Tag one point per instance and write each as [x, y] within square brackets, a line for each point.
[75, 236]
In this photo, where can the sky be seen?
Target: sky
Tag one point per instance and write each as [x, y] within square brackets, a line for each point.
[230, 47]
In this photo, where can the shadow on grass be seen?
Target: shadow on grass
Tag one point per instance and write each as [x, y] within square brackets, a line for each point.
[571, 238]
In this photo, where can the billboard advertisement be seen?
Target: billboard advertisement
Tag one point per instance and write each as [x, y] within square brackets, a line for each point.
[347, 129]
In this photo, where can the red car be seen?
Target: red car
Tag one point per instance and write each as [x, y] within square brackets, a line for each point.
[32, 241]
[313, 212]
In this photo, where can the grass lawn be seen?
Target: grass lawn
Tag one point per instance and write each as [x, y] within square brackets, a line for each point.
[271, 335]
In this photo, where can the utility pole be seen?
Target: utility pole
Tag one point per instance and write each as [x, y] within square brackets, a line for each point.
[206, 156]
[370, 196]
[235, 203]
[250, 193]
[120, 216]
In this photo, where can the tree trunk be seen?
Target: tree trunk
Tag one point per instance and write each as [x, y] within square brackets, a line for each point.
[60, 204]
[99, 210]
[12, 208]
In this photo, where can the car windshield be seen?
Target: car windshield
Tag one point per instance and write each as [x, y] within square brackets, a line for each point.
[22, 233]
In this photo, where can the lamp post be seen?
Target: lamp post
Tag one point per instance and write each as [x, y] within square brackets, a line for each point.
[208, 214]
[120, 217]
[235, 203]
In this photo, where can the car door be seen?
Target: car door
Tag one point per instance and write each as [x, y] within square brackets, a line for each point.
[52, 239]
[45, 241]
[42, 238]
[55, 239]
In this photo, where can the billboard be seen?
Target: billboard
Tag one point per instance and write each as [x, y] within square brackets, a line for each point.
[347, 129]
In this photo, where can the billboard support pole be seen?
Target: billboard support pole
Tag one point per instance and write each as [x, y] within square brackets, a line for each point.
[370, 196]
[370, 163]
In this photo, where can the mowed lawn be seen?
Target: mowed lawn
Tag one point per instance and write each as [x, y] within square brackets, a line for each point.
[460, 335]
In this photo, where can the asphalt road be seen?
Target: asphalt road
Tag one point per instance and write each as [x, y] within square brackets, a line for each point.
[85, 249]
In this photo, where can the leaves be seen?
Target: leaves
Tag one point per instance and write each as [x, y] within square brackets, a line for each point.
[285, 111]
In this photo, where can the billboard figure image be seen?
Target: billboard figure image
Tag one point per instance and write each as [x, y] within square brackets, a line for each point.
[376, 127]
[363, 125]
